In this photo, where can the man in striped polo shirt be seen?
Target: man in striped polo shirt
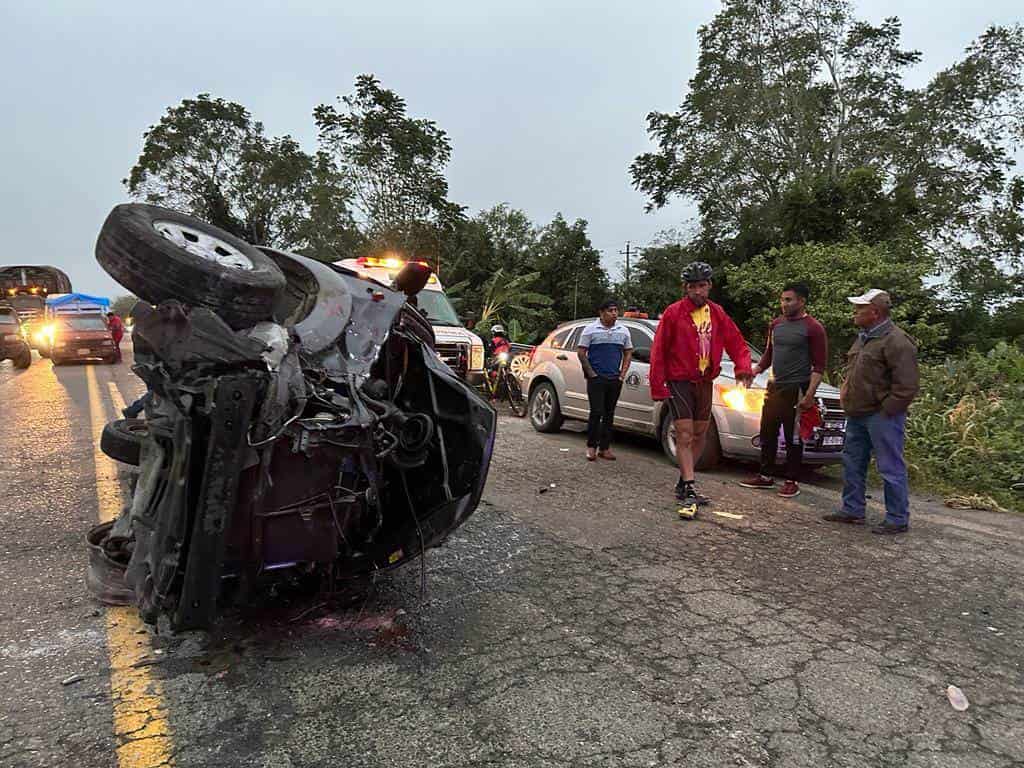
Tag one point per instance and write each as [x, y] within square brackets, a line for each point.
[605, 349]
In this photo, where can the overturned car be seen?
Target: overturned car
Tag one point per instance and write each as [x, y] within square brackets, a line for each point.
[297, 421]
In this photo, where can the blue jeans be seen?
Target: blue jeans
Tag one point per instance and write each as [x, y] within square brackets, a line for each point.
[884, 435]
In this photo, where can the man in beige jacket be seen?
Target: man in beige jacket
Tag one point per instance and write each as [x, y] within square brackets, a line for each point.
[881, 382]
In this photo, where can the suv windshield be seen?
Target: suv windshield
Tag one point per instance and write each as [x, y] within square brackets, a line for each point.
[84, 323]
[437, 309]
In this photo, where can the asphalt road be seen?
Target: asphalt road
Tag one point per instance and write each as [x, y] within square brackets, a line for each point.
[573, 621]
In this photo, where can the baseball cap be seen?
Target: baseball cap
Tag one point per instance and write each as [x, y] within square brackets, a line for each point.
[874, 296]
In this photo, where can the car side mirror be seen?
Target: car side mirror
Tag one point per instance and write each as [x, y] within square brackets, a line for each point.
[642, 355]
[412, 278]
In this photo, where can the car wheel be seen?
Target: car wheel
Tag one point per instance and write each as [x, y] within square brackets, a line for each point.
[545, 414]
[709, 457]
[122, 440]
[24, 360]
[43, 353]
[159, 254]
[519, 365]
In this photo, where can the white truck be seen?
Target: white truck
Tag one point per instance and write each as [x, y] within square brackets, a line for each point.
[461, 349]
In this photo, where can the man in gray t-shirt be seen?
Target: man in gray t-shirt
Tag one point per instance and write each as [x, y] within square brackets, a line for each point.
[797, 352]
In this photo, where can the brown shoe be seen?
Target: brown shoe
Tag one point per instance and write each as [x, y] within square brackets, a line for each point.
[790, 489]
[591, 454]
[607, 455]
[758, 481]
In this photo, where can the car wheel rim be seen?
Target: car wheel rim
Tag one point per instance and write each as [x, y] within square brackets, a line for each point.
[670, 437]
[204, 246]
[542, 407]
[518, 365]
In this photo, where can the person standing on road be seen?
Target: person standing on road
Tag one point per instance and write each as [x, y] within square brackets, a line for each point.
[797, 352]
[605, 350]
[881, 382]
[116, 332]
[685, 359]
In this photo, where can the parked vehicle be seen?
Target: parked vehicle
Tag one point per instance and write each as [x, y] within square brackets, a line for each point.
[557, 391]
[461, 349]
[301, 423]
[26, 287]
[13, 345]
[75, 328]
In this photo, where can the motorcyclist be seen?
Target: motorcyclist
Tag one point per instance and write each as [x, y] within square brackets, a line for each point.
[499, 340]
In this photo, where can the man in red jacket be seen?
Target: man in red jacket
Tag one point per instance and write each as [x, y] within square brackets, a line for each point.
[685, 359]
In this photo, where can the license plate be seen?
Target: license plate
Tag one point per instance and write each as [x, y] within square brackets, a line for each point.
[84, 351]
[835, 424]
[832, 440]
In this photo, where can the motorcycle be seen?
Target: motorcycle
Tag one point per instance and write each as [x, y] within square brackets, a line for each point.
[300, 422]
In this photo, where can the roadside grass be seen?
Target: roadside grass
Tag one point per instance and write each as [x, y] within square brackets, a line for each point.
[965, 434]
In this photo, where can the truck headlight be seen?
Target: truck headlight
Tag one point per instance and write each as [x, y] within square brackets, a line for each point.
[476, 357]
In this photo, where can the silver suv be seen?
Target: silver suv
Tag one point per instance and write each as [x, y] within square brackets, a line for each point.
[557, 391]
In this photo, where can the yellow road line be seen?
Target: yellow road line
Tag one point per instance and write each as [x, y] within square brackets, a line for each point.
[140, 712]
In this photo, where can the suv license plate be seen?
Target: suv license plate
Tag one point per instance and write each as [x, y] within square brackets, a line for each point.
[832, 440]
[84, 351]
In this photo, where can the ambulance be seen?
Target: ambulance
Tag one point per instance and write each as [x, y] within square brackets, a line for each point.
[461, 349]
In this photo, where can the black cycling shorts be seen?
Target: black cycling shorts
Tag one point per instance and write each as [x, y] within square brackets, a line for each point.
[690, 400]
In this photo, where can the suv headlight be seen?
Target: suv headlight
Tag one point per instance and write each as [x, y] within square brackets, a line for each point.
[476, 357]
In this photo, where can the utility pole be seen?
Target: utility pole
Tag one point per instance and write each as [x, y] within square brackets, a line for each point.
[627, 254]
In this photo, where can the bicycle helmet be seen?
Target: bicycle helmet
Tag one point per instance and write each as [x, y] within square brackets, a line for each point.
[696, 271]
[495, 329]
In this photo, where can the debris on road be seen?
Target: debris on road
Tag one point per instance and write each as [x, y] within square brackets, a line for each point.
[984, 503]
[72, 680]
[729, 515]
[957, 698]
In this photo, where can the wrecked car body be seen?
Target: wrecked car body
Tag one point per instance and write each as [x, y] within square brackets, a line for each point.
[327, 441]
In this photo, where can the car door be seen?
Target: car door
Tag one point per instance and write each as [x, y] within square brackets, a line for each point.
[576, 403]
[635, 410]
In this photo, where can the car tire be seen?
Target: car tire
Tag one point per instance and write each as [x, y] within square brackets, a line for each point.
[159, 254]
[43, 353]
[122, 440]
[24, 360]
[545, 413]
[709, 457]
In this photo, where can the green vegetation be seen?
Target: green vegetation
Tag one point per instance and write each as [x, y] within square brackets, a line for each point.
[964, 432]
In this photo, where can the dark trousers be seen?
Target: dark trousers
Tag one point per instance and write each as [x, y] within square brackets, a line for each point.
[602, 394]
[780, 410]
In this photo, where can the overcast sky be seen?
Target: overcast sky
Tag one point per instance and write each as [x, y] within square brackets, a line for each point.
[544, 100]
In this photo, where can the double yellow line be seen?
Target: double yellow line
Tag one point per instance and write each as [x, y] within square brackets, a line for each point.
[139, 708]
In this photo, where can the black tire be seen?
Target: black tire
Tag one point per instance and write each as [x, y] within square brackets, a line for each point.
[43, 353]
[122, 440]
[514, 392]
[709, 457]
[147, 262]
[24, 360]
[545, 419]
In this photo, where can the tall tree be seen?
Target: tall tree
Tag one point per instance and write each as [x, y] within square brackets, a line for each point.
[570, 269]
[208, 157]
[394, 164]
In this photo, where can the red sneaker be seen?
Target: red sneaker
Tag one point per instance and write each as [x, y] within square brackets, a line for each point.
[758, 481]
[790, 489]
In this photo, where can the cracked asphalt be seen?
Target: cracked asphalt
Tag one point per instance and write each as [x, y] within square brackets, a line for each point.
[579, 626]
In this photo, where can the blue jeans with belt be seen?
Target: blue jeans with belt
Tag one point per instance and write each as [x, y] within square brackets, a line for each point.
[884, 436]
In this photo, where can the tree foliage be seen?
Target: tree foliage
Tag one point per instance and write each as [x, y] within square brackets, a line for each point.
[834, 272]
[798, 127]
[209, 158]
[394, 165]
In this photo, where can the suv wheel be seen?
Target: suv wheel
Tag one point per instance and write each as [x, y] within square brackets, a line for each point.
[122, 440]
[159, 254]
[545, 414]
